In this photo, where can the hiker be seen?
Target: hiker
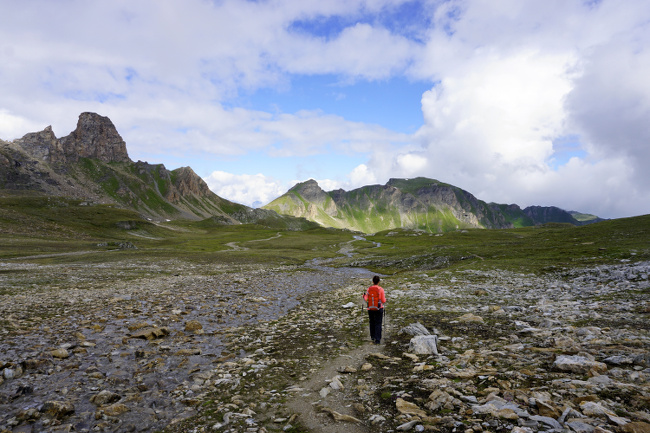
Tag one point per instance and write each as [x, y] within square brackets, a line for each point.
[376, 299]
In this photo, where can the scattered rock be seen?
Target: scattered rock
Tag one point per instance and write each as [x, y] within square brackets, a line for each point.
[424, 345]
[104, 397]
[408, 408]
[58, 409]
[415, 329]
[469, 317]
[60, 353]
[151, 333]
[193, 326]
[341, 417]
[579, 364]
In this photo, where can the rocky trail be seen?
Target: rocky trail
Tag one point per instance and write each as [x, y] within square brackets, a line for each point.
[185, 347]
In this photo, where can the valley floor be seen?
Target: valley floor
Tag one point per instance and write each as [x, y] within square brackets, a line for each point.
[174, 346]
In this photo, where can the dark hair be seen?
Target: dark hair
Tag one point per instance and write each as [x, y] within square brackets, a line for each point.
[376, 279]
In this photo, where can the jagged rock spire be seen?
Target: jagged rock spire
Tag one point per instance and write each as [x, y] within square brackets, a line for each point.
[95, 137]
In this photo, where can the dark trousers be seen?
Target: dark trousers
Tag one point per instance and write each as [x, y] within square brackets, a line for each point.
[375, 318]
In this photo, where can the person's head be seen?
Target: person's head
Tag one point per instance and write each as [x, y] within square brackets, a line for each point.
[376, 279]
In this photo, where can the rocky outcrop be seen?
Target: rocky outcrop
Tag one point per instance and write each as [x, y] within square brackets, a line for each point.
[95, 137]
[189, 183]
[41, 145]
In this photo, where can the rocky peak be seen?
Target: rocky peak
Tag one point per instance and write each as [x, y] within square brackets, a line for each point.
[188, 182]
[95, 137]
[310, 190]
[42, 145]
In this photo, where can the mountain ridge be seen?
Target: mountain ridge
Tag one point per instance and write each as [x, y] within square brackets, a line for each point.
[92, 164]
[418, 203]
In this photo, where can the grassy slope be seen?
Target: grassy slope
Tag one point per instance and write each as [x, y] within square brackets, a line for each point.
[40, 225]
[530, 249]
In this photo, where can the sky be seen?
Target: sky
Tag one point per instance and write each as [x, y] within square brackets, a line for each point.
[516, 101]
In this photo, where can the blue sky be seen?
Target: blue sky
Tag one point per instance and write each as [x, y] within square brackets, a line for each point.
[516, 101]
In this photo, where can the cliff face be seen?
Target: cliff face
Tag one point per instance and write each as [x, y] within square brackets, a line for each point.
[420, 203]
[95, 137]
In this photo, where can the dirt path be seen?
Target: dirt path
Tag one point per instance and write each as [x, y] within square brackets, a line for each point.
[315, 410]
[236, 247]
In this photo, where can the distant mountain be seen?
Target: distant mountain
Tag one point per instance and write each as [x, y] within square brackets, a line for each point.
[92, 164]
[419, 203]
[585, 218]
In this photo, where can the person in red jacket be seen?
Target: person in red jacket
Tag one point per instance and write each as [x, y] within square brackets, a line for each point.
[376, 299]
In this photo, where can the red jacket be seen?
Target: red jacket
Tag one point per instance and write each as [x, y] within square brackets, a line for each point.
[382, 296]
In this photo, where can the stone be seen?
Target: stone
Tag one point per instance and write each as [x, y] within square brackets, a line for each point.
[29, 414]
[151, 333]
[635, 427]
[347, 369]
[115, 409]
[440, 399]
[57, 409]
[407, 425]
[135, 326]
[547, 409]
[579, 364]
[580, 427]
[104, 397]
[424, 345]
[507, 413]
[415, 329]
[411, 356]
[408, 408]
[60, 353]
[336, 383]
[592, 408]
[341, 417]
[469, 317]
[193, 326]
[551, 422]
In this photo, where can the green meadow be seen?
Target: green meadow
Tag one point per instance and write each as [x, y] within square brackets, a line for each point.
[55, 230]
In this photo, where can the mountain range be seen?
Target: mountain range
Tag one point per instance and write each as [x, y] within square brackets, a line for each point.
[419, 203]
[91, 164]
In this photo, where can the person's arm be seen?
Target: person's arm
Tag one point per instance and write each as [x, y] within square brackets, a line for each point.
[383, 296]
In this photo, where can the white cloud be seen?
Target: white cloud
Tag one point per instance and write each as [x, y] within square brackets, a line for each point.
[362, 175]
[516, 76]
[251, 190]
[511, 77]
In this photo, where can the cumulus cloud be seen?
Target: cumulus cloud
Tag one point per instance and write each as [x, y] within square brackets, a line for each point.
[516, 78]
[252, 190]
